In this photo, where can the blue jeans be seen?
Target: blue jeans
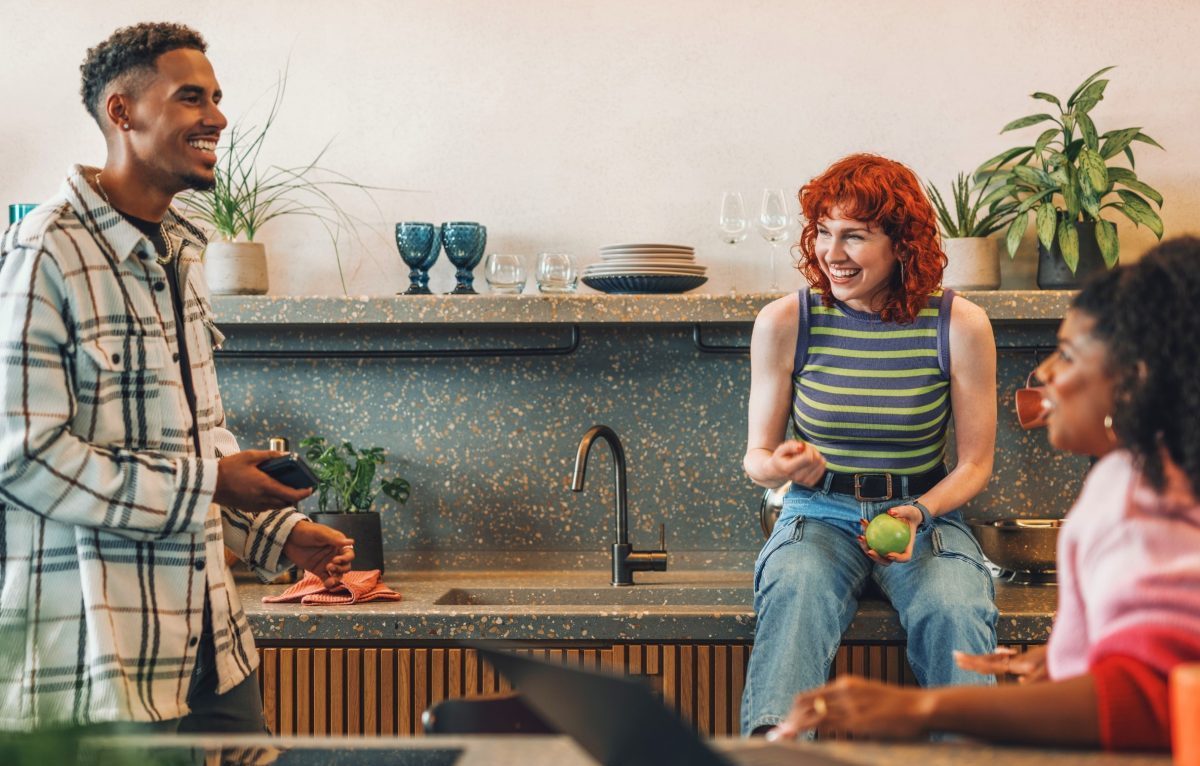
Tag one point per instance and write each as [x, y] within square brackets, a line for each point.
[807, 582]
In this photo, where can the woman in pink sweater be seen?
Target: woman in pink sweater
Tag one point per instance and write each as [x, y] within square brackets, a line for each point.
[1123, 385]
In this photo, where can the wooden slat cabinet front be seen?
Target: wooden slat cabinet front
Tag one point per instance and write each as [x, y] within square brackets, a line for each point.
[382, 690]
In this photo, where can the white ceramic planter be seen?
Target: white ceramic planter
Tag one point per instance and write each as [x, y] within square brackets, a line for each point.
[236, 268]
[973, 263]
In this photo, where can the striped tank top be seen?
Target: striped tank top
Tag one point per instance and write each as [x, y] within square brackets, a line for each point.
[873, 395]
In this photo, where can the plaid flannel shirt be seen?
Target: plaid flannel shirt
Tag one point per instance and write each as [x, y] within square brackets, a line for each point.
[109, 539]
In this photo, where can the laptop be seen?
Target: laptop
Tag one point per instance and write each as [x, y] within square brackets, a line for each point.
[618, 720]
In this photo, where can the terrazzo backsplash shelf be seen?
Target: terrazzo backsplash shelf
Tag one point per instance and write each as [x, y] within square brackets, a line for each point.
[488, 441]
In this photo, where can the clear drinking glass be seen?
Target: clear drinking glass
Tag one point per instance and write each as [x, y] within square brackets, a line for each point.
[774, 224]
[556, 273]
[732, 228]
[505, 273]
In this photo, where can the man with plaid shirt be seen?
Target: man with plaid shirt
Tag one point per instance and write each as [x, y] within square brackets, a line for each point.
[120, 488]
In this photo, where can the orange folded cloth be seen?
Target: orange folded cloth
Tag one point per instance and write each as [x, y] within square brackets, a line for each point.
[356, 588]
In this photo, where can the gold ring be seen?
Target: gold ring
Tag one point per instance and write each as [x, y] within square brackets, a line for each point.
[819, 707]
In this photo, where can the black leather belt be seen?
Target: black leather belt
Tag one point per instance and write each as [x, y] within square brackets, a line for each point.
[872, 487]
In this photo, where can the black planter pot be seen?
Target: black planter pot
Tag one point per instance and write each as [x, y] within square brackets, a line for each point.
[1053, 274]
[366, 531]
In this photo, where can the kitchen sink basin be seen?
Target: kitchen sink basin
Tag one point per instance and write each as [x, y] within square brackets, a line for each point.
[637, 595]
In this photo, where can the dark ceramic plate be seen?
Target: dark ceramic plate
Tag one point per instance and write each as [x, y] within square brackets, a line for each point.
[633, 283]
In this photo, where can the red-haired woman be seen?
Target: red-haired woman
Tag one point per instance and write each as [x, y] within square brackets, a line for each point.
[867, 366]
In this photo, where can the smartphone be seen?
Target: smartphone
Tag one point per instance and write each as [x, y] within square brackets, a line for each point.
[290, 470]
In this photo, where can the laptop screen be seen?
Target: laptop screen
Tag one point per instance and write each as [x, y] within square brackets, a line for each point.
[618, 720]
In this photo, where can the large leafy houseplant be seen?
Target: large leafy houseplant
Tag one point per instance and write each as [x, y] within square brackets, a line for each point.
[1067, 176]
[247, 194]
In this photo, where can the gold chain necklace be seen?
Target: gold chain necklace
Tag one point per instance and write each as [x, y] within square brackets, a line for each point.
[163, 260]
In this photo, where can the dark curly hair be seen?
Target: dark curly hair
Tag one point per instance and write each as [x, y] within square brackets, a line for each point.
[131, 51]
[1148, 316]
[887, 194]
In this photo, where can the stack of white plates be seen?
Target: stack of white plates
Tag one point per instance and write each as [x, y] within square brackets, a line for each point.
[643, 267]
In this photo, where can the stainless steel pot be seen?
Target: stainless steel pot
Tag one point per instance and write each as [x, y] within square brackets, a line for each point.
[1020, 545]
[770, 507]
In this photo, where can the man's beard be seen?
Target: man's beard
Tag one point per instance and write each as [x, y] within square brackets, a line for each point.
[199, 183]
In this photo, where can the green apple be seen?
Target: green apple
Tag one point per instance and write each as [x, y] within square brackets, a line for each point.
[887, 534]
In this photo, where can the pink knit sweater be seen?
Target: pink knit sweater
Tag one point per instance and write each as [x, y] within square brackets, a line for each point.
[1128, 572]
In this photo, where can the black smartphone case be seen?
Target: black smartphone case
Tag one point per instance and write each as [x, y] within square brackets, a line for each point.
[290, 470]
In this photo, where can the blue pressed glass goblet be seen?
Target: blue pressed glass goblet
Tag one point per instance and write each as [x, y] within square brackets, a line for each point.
[419, 244]
[464, 243]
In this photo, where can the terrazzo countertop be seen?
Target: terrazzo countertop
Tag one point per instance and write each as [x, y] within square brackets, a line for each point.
[518, 750]
[685, 604]
[582, 308]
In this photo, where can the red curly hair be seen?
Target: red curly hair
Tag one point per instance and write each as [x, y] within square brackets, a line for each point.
[886, 194]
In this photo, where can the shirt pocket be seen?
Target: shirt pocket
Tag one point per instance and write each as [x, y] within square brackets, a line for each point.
[121, 402]
[205, 340]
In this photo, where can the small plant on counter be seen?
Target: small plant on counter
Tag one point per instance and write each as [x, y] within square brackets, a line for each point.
[969, 217]
[347, 478]
[1066, 177]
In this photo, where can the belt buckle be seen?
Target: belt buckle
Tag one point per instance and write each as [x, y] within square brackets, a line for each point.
[858, 484]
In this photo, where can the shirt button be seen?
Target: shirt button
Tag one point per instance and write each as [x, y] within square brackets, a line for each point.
[175, 357]
[200, 565]
[160, 286]
[193, 641]
[116, 358]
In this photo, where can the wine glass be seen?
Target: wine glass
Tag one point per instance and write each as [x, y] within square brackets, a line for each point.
[774, 224]
[732, 228]
[419, 245]
[464, 242]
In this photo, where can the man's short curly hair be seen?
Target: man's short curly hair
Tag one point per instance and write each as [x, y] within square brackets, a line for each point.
[1148, 316]
[131, 51]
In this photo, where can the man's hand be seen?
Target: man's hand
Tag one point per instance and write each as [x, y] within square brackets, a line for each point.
[319, 549]
[242, 486]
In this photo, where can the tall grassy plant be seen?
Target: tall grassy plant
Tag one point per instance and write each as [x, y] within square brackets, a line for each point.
[967, 216]
[247, 195]
[347, 480]
[1066, 176]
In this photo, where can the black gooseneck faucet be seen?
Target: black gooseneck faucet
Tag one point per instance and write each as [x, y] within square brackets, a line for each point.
[625, 560]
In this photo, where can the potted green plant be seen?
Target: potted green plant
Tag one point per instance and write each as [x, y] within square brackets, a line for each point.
[347, 485]
[972, 254]
[246, 196]
[1067, 178]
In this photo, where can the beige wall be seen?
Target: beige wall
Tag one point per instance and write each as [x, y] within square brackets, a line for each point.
[569, 125]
